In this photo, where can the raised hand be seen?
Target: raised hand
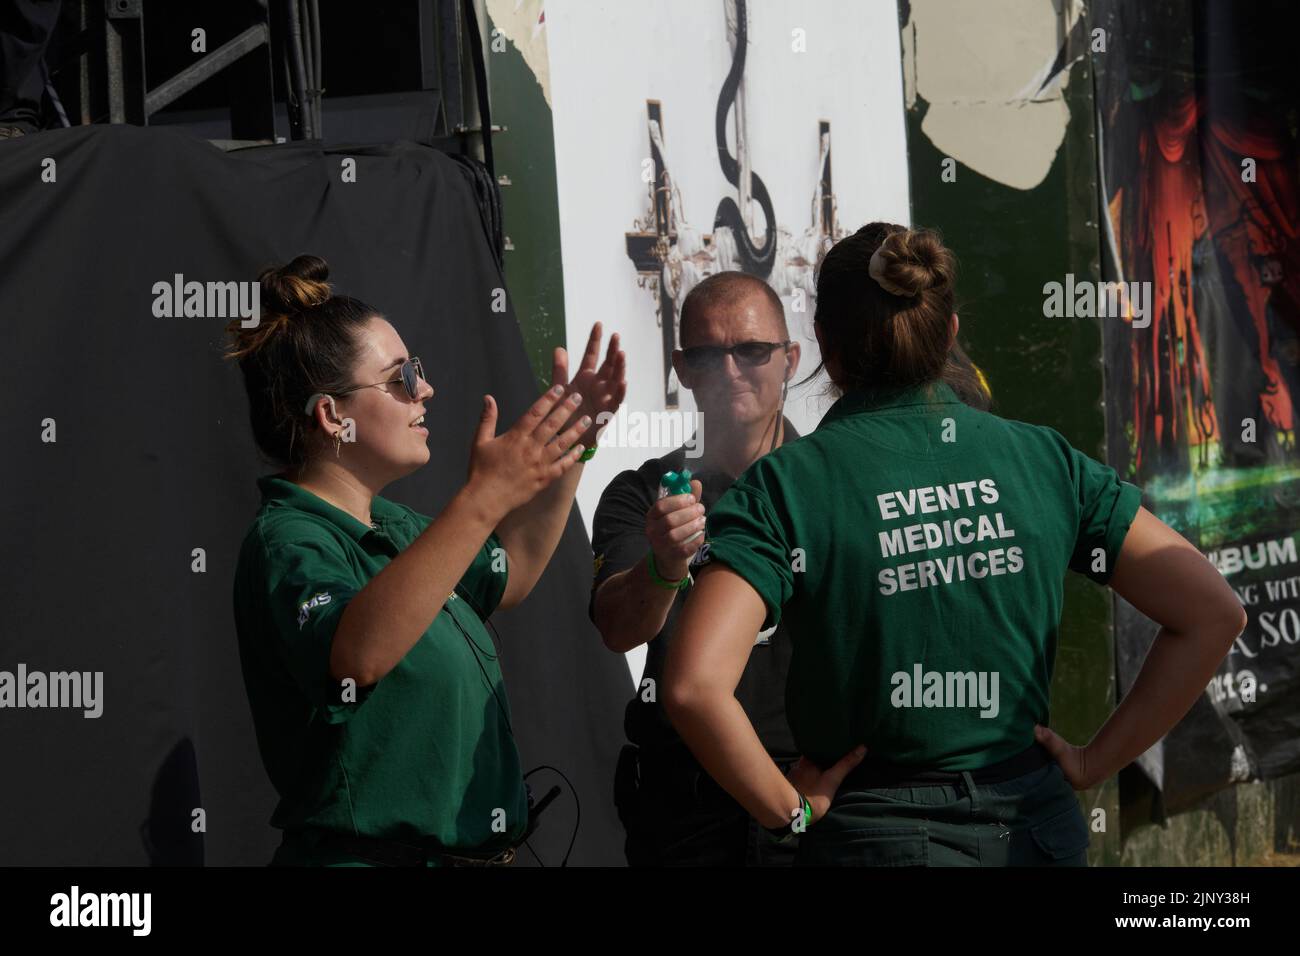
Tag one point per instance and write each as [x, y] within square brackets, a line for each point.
[603, 388]
[507, 470]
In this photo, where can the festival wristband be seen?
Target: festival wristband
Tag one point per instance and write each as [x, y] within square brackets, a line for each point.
[785, 832]
[681, 585]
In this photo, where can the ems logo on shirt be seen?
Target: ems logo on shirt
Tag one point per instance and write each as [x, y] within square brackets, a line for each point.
[316, 601]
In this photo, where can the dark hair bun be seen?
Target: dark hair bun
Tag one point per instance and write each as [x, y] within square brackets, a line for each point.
[916, 260]
[297, 286]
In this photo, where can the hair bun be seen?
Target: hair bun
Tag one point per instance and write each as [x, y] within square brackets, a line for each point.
[296, 286]
[913, 261]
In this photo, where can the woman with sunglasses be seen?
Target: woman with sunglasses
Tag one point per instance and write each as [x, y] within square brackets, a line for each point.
[916, 547]
[378, 704]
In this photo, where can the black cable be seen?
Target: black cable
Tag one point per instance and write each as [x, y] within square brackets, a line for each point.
[318, 92]
[308, 69]
[480, 87]
[534, 853]
[505, 715]
[297, 73]
[577, 804]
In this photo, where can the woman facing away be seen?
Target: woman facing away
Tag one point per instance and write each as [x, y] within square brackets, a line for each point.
[917, 547]
[375, 690]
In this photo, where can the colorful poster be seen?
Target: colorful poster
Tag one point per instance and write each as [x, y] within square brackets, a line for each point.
[1198, 155]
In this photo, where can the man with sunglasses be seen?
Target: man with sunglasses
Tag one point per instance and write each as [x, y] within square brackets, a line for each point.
[737, 360]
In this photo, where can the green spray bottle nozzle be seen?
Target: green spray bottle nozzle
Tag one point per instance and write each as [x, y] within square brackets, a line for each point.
[677, 482]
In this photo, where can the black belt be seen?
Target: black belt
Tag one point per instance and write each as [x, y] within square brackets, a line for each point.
[876, 774]
[396, 853]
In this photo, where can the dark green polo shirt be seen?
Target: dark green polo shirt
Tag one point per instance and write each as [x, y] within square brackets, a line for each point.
[917, 548]
[426, 752]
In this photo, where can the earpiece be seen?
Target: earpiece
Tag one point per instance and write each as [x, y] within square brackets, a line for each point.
[311, 405]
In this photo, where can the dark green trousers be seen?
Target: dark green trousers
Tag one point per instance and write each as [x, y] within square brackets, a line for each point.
[1033, 820]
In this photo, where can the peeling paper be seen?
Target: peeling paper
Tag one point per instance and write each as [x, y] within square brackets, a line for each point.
[523, 23]
[981, 68]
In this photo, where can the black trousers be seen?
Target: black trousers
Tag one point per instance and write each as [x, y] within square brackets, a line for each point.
[1033, 819]
[674, 814]
[25, 29]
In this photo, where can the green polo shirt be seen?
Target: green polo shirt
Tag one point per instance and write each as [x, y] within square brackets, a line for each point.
[425, 752]
[916, 548]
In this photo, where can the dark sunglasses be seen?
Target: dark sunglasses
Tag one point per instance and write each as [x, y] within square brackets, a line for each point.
[746, 354]
[412, 373]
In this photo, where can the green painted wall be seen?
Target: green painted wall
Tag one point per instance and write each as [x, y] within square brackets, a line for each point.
[525, 155]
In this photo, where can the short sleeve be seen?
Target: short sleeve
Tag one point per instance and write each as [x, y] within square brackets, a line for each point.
[309, 582]
[484, 581]
[618, 538]
[745, 535]
[1107, 507]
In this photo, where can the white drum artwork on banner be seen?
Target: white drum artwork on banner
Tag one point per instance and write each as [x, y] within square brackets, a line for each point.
[721, 135]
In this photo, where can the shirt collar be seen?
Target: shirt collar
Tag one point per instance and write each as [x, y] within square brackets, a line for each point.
[788, 434]
[286, 494]
[859, 400]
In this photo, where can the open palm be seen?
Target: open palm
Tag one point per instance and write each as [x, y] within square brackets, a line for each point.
[602, 388]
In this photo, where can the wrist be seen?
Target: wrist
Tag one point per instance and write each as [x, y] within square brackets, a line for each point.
[485, 510]
[1094, 764]
[667, 576]
[796, 820]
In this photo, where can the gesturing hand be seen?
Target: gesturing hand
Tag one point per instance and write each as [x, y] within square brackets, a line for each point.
[508, 470]
[602, 389]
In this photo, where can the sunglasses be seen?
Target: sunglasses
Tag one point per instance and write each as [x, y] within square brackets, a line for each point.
[747, 354]
[411, 373]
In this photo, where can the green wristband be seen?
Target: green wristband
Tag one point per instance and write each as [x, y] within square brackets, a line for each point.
[785, 833]
[681, 585]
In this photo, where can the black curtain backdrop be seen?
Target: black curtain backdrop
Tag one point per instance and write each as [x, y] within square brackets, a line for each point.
[154, 458]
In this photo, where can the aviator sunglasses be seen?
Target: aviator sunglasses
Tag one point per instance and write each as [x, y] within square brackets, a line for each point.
[412, 372]
[746, 354]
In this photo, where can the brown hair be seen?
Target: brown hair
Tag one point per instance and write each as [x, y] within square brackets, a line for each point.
[900, 338]
[306, 341]
[728, 288]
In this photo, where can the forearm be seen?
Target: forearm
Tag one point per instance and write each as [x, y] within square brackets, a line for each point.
[1164, 577]
[630, 609]
[386, 618]
[1176, 671]
[532, 531]
[719, 734]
